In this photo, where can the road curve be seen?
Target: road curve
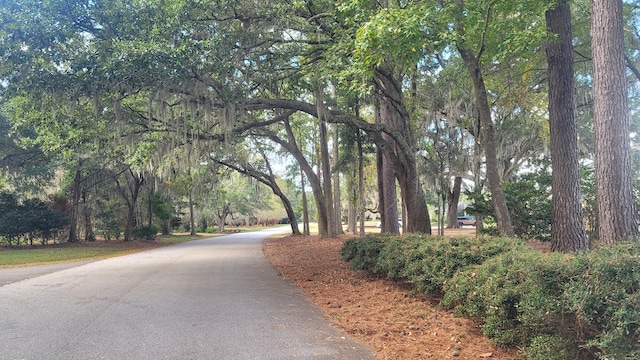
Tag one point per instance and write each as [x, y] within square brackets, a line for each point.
[215, 298]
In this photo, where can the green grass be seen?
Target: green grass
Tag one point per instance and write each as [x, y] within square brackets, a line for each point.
[32, 257]
[84, 251]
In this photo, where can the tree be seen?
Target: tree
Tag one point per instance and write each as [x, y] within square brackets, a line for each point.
[129, 189]
[567, 228]
[267, 178]
[472, 59]
[611, 124]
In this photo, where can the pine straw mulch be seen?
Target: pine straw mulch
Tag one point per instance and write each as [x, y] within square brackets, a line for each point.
[396, 322]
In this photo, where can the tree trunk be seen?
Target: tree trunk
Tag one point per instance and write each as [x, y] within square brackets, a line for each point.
[192, 220]
[130, 220]
[314, 182]
[360, 179]
[453, 200]
[75, 205]
[337, 203]
[614, 191]
[567, 223]
[305, 207]
[130, 196]
[269, 180]
[150, 208]
[89, 234]
[222, 216]
[289, 209]
[352, 212]
[401, 157]
[352, 216]
[326, 170]
[380, 185]
[387, 178]
[501, 211]
[478, 164]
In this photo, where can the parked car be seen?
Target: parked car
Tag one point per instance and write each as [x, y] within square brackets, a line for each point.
[465, 220]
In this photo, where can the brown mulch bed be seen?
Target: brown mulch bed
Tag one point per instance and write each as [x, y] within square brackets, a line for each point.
[396, 322]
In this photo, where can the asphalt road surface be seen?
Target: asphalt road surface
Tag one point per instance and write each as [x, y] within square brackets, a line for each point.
[216, 298]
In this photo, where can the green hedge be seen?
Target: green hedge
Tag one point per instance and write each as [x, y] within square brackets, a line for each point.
[552, 306]
[145, 232]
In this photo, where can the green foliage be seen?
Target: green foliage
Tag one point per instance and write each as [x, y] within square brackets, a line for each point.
[32, 217]
[211, 229]
[517, 294]
[551, 305]
[439, 259]
[145, 232]
[606, 301]
[426, 261]
[202, 225]
[362, 254]
[549, 347]
[529, 201]
[110, 221]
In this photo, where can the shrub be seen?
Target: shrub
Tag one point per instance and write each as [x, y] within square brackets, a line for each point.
[398, 253]
[551, 305]
[518, 295]
[528, 198]
[549, 347]
[439, 259]
[145, 232]
[362, 254]
[606, 301]
[426, 261]
[202, 225]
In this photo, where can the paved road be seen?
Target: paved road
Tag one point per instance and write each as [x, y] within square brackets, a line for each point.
[216, 298]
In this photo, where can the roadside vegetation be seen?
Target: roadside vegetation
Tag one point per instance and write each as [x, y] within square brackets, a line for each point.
[68, 252]
[549, 305]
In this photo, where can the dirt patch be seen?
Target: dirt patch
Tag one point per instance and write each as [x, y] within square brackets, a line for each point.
[396, 322]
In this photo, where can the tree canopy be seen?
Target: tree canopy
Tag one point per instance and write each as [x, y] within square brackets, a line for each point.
[150, 93]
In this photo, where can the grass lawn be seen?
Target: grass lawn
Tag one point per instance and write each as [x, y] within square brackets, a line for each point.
[82, 251]
[67, 252]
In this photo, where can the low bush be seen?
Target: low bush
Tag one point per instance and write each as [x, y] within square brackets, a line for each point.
[518, 294]
[549, 347]
[362, 254]
[145, 232]
[550, 305]
[437, 260]
[605, 299]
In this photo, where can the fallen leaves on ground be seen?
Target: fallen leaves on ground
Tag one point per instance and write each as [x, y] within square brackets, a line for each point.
[395, 321]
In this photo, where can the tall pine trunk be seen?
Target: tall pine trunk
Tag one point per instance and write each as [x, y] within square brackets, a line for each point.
[614, 191]
[567, 223]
